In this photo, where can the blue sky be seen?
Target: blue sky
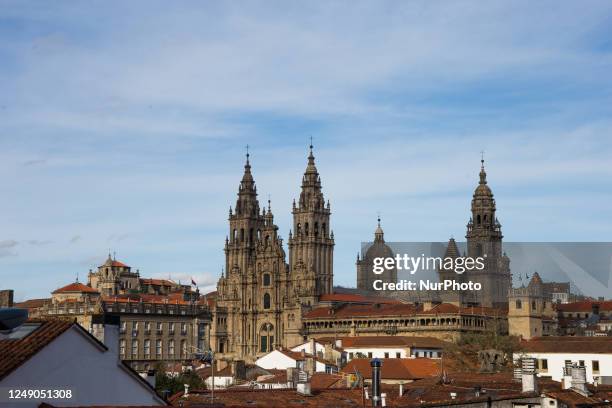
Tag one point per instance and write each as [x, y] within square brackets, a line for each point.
[123, 125]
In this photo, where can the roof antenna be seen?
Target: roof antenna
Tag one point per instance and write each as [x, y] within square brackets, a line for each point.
[482, 158]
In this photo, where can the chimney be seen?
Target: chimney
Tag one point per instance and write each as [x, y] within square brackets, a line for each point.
[567, 376]
[303, 385]
[339, 343]
[186, 394]
[401, 389]
[313, 347]
[579, 380]
[383, 399]
[376, 364]
[528, 377]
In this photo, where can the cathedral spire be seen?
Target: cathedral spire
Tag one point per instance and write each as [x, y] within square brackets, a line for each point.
[483, 173]
[247, 191]
[311, 195]
[379, 235]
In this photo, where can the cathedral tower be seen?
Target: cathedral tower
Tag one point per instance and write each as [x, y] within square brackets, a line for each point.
[312, 244]
[484, 239]
[249, 312]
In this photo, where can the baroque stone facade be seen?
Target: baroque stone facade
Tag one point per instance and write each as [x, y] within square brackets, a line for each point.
[261, 298]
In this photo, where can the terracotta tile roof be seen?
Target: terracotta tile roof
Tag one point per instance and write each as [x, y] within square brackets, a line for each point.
[76, 287]
[386, 341]
[285, 398]
[32, 303]
[361, 310]
[568, 344]
[355, 298]
[146, 298]
[205, 372]
[45, 405]
[396, 368]
[15, 352]
[321, 381]
[157, 282]
[397, 309]
[584, 306]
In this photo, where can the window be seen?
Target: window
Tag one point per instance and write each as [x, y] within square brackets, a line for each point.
[134, 347]
[351, 356]
[266, 338]
[533, 305]
[544, 364]
[266, 301]
[158, 348]
[266, 279]
[171, 348]
[370, 355]
[171, 327]
[581, 363]
[386, 355]
[123, 327]
[147, 348]
[183, 328]
[183, 348]
[398, 355]
[147, 327]
[595, 366]
[122, 347]
[160, 328]
[519, 304]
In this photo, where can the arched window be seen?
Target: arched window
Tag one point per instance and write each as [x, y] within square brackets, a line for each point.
[241, 234]
[266, 279]
[478, 219]
[324, 230]
[316, 229]
[259, 234]
[533, 305]
[266, 338]
[306, 229]
[235, 235]
[519, 304]
[251, 235]
[485, 218]
[267, 240]
[266, 301]
[298, 230]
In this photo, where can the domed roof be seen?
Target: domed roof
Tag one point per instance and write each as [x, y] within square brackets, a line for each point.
[379, 249]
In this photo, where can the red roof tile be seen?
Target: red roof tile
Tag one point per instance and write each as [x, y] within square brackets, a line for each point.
[15, 352]
[568, 344]
[355, 298]
[385, 341]
[396, 368]
[76, 287]
[584, 306]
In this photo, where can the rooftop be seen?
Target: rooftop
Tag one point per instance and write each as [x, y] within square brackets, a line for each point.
[76, 287]
[568, 344]
[396, 368]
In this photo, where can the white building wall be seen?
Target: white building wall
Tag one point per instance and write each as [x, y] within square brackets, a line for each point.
[74, 362]
[276, 360]
[307, 348]
[377, 352]
[556, 362]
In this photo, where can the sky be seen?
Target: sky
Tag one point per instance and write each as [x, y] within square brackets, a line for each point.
[123, 125]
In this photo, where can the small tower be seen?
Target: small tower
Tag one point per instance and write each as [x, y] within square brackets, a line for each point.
[526, 309]
[378, 249]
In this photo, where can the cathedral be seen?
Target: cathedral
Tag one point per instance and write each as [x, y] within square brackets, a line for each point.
[261, 296]
[484, 239]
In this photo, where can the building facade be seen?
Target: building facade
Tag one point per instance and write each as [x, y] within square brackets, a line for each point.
[261, 297]
[160, 321]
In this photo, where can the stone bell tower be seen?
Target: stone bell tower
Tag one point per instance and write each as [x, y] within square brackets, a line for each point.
[311, 244]
[484, 239]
